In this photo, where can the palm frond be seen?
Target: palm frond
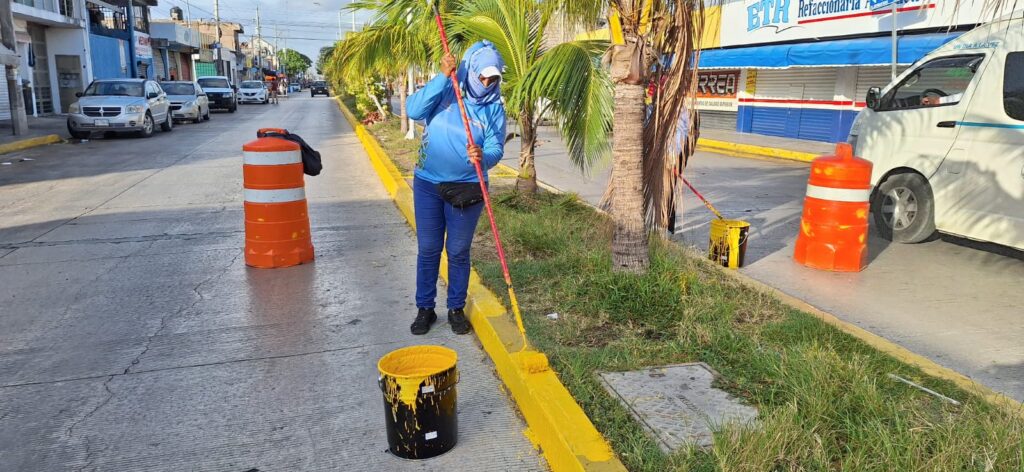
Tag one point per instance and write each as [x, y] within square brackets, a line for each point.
[579, 94]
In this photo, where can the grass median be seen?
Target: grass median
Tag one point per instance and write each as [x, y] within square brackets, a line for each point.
[826, 400]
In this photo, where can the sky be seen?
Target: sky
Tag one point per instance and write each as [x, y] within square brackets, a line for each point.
[303, 25]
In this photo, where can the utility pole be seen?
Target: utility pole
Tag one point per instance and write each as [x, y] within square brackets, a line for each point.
[188, 14]
[19, 121]
[216, 20]
[340, 36]
[259, 43]
[353, 16]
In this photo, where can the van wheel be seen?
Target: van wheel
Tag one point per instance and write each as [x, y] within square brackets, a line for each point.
[904, 208]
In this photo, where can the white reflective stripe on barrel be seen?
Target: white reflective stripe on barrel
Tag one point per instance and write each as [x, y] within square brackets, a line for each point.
[272, 158]
[275, 196]
[839, 194]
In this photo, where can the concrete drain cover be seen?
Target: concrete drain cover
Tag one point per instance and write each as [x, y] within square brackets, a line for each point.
[676, 403]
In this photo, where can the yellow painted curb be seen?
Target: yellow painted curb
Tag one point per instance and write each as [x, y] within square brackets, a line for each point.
[564, 434]
[24, 144]
[742, 150]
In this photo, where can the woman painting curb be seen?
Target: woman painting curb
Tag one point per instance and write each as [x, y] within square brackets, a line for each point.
[446, 191]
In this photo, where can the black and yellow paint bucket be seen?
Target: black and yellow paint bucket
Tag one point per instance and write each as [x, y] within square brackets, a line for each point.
[728, 242]
[419, 400]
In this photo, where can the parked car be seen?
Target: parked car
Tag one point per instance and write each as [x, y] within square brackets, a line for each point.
[946, 141]
[319, 87]
[253, 91]
[120, 106]
[188, 101]
[222, 94]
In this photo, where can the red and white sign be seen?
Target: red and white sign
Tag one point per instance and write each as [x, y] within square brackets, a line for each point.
[770, 21]
[143, 46]
[717, 89]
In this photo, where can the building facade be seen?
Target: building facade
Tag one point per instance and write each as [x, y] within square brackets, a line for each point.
[120, 44]
[54, 64]
[176, 46]
[801, 68]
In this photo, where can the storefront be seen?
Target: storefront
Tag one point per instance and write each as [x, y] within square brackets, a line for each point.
[801, 69]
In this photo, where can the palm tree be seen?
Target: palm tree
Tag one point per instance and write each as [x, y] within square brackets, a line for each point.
[657, 45]
[566, 80]
[388, 47]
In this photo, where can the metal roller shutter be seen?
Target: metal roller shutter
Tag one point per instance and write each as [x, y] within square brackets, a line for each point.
[5, 102]
[868, 77]
[158, 62]
[794, 118]
[718, 119]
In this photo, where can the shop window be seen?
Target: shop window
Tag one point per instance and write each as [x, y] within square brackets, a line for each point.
[1013, 85]
[939, 82]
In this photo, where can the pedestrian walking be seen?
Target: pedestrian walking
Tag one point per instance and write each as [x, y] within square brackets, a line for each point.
[446, 191]
[272, 90]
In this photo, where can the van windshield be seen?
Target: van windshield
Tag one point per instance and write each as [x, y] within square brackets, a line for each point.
[937, 82]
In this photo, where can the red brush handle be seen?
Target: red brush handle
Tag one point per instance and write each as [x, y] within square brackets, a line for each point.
[469, 138]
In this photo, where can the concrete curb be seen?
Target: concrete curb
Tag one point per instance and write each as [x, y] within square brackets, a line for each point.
[29, 143]
[748, 150]
[557, 425]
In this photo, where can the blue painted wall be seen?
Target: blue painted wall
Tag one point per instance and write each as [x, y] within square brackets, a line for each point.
[812, 124]
[106, 56]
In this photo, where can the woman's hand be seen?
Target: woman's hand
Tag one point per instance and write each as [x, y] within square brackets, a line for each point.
[448, 65]
[476, 154]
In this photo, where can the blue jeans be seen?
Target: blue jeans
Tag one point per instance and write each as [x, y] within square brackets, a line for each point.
[435, 217]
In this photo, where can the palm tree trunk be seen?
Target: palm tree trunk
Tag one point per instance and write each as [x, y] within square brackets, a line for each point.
[629, 243]
[404, 113]
[527, 180]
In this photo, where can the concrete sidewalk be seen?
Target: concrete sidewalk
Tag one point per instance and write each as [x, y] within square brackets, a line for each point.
[41, 131]
[764, 146]
[134, 338]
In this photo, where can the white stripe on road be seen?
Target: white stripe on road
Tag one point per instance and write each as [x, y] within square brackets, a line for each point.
[838, 194]
[272, 158]
[275, 196]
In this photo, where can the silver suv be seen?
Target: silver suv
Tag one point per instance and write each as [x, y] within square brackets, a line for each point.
[120, 106]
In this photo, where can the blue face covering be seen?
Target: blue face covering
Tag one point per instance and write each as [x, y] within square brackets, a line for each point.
[481, 55]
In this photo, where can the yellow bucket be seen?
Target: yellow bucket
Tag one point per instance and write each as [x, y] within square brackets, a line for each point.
[728, 242]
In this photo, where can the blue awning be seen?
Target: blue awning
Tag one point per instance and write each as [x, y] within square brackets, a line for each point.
[843, 52]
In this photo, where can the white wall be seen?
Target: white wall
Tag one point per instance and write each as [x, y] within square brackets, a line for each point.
[67, 42]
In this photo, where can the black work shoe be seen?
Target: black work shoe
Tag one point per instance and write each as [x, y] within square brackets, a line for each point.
[424, 318]
[457, 318]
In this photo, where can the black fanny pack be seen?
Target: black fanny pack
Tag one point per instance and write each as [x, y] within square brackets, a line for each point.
[461, 194]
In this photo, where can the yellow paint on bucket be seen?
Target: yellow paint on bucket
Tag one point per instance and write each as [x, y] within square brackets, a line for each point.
[728, 242]
[403, 371]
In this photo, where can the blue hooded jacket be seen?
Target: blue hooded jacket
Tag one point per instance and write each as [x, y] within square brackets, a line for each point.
[443, 156]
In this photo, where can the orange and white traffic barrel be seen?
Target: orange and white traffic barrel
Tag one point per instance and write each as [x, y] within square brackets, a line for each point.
[276, 213]
[834, 225]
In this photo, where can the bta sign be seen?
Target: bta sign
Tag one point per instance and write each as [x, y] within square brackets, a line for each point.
[768, 21]
[716, 90]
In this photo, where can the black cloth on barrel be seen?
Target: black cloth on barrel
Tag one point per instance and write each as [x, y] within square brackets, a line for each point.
[311, 164]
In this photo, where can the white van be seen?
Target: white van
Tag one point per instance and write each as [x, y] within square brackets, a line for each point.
[947, 141]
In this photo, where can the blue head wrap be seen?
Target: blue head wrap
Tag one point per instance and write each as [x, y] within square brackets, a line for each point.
[479, 56]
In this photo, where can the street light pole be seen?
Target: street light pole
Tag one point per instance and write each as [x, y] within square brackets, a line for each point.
[216, 20]
[894, 27]
[353, 15]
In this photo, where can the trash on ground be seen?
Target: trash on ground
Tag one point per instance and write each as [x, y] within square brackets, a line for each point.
[553, 316]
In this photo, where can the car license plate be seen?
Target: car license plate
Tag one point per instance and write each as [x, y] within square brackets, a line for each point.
[102, 122]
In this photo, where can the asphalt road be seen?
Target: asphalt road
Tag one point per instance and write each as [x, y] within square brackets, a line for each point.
[134, 338]
[954, 301]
